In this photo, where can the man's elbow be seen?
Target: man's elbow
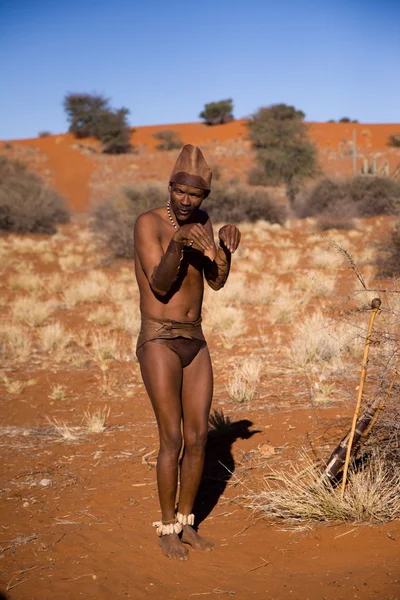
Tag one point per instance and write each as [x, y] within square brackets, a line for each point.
[157, 291]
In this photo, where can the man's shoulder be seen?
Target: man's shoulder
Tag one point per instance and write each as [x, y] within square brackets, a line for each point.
[149, 219]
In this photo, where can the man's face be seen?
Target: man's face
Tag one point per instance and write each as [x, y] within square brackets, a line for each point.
[185, 201]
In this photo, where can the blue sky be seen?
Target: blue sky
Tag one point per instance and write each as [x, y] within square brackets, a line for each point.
[164, 59]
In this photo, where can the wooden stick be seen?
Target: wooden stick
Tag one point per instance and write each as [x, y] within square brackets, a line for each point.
[375, 305]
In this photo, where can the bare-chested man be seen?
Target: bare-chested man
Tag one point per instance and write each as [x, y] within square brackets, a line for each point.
[174, 251]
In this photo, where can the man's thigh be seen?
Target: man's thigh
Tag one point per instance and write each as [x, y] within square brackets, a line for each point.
[162, 376]
[197, 390]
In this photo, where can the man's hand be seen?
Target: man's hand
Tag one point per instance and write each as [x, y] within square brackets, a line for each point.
[229, 236]
[195, 233]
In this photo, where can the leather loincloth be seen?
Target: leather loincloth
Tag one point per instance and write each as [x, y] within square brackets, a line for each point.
[167, 329]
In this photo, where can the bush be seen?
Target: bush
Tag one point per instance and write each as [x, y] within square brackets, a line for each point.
[113, 220]
[90, 115]
[394, 140]
[284, 152]
[113, 131]
[43, 134]
[388, 257]
[347, 120]
[169, 139]
[237, 204]
[27, 204]
[361, 196]
[218, 113]
[325, 223]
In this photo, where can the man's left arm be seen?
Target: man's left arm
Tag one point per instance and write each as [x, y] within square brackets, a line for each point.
[217, 264]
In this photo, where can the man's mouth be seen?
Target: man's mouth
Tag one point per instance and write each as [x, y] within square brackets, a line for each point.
[184, 211]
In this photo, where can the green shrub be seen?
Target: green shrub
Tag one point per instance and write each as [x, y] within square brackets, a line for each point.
[394, 140]
[388, 256]
[169, 139]
[240, 203]
[27, 203]
[361, 196]
[43, 134]
[283, 150]
[113, 131]
[113, 220]
[90, 115]
[347, 120]
[218, 113]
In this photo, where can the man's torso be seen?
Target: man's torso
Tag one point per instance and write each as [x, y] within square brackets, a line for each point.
[184, 302]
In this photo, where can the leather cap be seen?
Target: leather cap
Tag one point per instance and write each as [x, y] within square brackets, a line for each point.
[191, 169]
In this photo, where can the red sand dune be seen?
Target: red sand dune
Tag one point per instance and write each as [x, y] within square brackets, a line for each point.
[70, 169]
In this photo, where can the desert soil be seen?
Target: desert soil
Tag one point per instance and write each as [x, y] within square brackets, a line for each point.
[77, 513]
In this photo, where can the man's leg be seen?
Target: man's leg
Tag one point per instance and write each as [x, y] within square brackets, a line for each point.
[162, 376]
[197, 390]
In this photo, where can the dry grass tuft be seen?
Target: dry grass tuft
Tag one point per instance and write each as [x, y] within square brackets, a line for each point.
[32, 311]
[58, 393]
[68, 433]
[93, 288]
[95, 422]
[29, 282]
[299, 494]
[317, 341]
[70, 262]
[54, 337]
[242, 383]
[13, 386]
[103, 315]
[15, 343]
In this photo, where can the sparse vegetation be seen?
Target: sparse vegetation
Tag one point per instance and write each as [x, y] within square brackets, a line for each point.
[95, 422]
[241, 203]
[388, 257]
[394, 140]
[283, 150]
[218, 113]
[355, 197]
[169, 139]
[347, 120]
[90, 115]
[300, 494]
[27, 203]
[113, 220]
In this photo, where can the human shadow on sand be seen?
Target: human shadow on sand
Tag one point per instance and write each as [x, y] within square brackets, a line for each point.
[219, 464]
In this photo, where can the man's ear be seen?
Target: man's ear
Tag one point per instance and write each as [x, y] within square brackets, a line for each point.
[206, 194]
[170, 187]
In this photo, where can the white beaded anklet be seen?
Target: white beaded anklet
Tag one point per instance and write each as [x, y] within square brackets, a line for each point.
[167, 528]
[185, 519]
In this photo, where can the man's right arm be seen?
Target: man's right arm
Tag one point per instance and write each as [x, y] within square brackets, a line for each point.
[161, 269]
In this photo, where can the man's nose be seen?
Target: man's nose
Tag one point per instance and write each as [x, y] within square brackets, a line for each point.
[185, 200]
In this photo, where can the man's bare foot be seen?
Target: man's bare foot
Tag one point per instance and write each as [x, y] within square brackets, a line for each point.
[172, 547]
[191, 537]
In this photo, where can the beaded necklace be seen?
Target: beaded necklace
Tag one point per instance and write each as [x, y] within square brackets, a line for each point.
[170, 216]
[187, 246]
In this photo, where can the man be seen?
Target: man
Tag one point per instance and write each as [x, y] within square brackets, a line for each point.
[174, 252]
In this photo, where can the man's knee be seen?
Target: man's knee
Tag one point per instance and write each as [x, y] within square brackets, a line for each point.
[171, 443]
[195, 441]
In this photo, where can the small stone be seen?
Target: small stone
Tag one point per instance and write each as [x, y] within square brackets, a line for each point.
[266, 450]
[25, 504]
[44, 482]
